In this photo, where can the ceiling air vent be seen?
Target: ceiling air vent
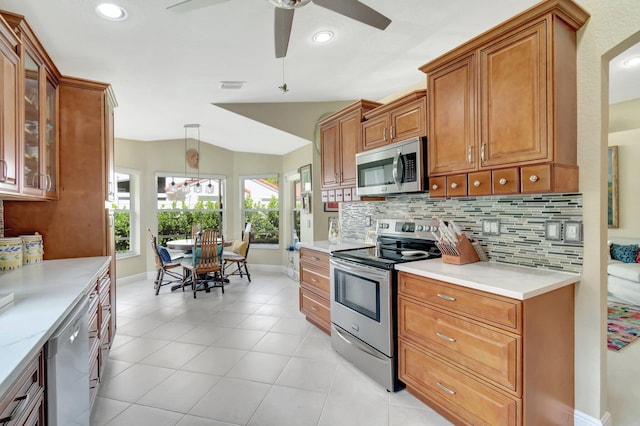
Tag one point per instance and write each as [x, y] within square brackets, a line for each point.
[231, 84]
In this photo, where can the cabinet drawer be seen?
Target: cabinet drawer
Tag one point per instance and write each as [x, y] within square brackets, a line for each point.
[311, 279]
[490, 354]
[506, 181]
[460, 397]
[480, 183]
[457, 185]
[437, 187]
[22, 397]
[536, 178]
[490, 308]
[315, 306]
[316, 258]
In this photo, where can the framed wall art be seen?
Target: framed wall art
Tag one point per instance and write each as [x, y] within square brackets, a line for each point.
[305, 178]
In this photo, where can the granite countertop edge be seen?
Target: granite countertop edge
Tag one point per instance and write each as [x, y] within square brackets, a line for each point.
[513, 281]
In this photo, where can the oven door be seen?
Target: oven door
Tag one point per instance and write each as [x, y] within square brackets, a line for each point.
[361, 298]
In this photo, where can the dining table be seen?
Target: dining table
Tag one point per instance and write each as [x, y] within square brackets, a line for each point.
[186, 245]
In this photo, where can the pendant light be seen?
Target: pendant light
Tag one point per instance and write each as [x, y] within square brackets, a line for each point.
[210, 188]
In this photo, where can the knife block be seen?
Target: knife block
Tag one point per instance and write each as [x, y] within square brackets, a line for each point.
[467, 253]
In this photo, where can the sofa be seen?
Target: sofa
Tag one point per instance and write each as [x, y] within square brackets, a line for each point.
[623, 270]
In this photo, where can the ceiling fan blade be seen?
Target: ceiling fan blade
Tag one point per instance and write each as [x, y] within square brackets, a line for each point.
[356, 10]
[283, 19]
[189, 5]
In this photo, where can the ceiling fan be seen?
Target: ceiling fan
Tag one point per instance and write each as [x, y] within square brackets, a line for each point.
[283, 17]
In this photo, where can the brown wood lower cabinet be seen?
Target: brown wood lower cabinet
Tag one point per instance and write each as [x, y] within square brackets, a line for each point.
[483, 359]
[23, 404]
[314, 288]
[100, 330]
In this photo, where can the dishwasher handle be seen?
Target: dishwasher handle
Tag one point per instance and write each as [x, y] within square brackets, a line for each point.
[67, 332]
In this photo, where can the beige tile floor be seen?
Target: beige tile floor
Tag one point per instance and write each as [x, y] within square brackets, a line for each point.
[247, 357]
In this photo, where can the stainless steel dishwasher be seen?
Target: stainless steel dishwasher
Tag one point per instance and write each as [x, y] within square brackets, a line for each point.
[67, 353]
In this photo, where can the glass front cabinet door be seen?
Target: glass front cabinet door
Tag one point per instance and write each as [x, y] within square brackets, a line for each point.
[40, 128]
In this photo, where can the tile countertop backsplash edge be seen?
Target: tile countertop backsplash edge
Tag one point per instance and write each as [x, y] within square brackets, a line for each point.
[44, 294]
[516, 282]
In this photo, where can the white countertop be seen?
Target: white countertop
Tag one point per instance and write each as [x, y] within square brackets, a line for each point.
[516, 282]
[327, 247]
[44, 294]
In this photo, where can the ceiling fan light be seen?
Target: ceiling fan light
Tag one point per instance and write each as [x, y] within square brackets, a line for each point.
[631, 62]
[289, 4]
[322, 36]
[111, 11]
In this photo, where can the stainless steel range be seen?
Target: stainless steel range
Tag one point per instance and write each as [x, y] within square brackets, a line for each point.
[364, 293]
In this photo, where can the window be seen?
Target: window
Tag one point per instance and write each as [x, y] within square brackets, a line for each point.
[261, 208]
[124, 214]
[182, 202]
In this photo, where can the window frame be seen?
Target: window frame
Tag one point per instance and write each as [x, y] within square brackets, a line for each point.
[133, 211]
[243, 210]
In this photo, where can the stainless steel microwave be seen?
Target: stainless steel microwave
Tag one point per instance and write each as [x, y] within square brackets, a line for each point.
[393, 169]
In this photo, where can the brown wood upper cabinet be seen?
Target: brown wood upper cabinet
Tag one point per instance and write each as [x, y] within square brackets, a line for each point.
[507, 98]
[9, 98]
[396, 121]
[37, 110]
[340, 140]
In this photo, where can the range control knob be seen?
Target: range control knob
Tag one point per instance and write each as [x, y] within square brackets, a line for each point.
[433, 228]
[419, 228]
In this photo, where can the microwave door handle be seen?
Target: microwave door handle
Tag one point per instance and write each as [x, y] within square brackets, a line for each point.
[396, 161]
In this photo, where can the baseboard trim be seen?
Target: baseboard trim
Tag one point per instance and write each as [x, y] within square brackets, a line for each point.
[135, 278]
[582, 419]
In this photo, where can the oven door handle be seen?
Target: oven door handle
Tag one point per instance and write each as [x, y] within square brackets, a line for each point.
[359, 345]
[359, 269]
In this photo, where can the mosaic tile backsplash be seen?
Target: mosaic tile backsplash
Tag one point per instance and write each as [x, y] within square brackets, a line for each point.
[522, 224]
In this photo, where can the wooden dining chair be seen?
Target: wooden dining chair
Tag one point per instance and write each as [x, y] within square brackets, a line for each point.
[204, 269]
[238, 256]
[165, 266]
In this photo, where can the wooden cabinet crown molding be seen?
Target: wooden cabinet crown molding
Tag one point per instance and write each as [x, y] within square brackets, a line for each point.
[385, 108]
[567, 10]
[23, 29]
[363, 105]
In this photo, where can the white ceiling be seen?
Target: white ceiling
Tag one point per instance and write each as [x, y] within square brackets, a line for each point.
[165, 68]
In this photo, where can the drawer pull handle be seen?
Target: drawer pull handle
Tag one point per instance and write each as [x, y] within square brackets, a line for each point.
[476, 183]
[446, 389]
[502, 181]
[314, 308]
[434, 186]
[469, 155]
[314, 258]
[533, 178]
[314, 280]
[445, 297]
[447, 338]
[454, 185]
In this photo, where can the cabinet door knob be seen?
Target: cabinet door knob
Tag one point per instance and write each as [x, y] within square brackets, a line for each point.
[454, 185]
[434, 186]
[476, 183]
[502, 181]
[533, 178]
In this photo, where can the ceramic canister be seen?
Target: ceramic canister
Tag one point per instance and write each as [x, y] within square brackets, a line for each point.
[32, 249]
[10, 253]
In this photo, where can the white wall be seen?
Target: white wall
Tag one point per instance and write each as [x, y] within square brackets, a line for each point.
[611, 23]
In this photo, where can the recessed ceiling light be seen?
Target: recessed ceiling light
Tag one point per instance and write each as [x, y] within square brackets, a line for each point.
[111, 11]
[631, 62]
[322, 36]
